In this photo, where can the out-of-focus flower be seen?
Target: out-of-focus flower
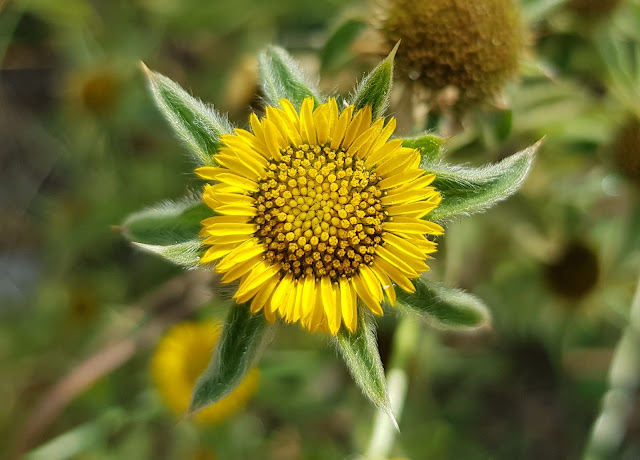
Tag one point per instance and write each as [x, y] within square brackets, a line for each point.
[179, 359]
[473, 48]
[626, 149]
[315, 210]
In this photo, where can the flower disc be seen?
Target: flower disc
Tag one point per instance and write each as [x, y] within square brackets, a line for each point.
[317, 209]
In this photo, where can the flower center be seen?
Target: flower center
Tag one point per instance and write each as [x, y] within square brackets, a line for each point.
[319, 212]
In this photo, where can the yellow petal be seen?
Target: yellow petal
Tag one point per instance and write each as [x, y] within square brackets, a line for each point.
[395, 261]
[387, 285]
[263, 295]
[309, 295]
[337, 136]
[380, 154]
[281, 293]
[329, 302]
[240, 269]
[273, 138]
[396, 275]
[366, 296]
[348, 304]
[245, 251]
[402, 245]
[307, 124]
[399, 179]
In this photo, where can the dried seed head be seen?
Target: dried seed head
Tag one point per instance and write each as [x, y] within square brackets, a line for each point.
[474, 47]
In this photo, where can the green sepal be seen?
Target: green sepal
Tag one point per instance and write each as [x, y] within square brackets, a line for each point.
[169, 229]
[469, 190]
[281, 78]
[243, 339]
[375, 88]
[443, 307]
[429, 146]
[335, 53]
[195, 123]
[360, 353]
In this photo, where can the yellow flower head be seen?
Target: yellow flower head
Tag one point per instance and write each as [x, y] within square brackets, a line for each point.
[315, 210]
[180, 357]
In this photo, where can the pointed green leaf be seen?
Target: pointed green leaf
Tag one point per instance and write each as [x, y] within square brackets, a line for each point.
[360, 353]
[281, 78]
[375, 89]
[469, 190]
[196, 124]
[169, 229]
[336, 51]
[429, 145]
[243, 339]
[444, 307]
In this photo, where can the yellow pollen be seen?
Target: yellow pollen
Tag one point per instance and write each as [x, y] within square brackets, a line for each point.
[323, 203]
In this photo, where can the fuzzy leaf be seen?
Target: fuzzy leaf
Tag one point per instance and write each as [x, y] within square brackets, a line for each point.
[469, 190]
[360, 353]
[444, 307]
[336, 51]
[375, 89]
[242, 341]
[195, 123]
[430, 146]
[169, 229]
[281, 77]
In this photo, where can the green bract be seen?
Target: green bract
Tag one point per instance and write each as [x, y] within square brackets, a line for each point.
[171, 229]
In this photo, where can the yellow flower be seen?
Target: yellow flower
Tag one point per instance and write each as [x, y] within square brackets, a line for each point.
[315, 210]
[180, 357]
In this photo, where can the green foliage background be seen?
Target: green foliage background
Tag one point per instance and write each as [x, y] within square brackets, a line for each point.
[82, 146]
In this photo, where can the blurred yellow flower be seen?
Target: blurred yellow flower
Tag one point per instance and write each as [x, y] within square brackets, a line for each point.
[179, 359]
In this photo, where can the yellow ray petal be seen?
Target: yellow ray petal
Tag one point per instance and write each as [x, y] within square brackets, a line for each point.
[396, 163]
[406, 197]
[245, 251]
[307, 124]
[321, 120]
[317, 318]
[231, 229]
[309, 295]
[255, 281]
[237, 181]
[261, 297]
[294, 309]
[236, 210]
[282, 121]
[366, 296]
[216, 252]
[396, 275]
[225, 220]
[385, 134]
[371, 283]
[337, 136]
[357, 126]
[348, 304]
[291, 113]
[387, 285]
[229, 198]
[378, 155]
[281, 293]
[240, 269]
[405, 247]
[331, 311]
[361, 144]
[399, 179]
[417, 210]
[273, 138]
[401, 265]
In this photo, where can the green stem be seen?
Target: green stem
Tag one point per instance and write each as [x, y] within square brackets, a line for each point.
[624, 377]
[384, 430]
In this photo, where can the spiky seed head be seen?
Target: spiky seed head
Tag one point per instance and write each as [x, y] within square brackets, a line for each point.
[472, 46]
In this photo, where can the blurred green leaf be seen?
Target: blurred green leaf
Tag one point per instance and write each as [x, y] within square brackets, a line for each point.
[469, 190]
[281, 78]
[430, 146]
[243, 339]
[375, 89]
[360, 353]
[169, 229]
[196, 124]
[336, 51]
[444, 307]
